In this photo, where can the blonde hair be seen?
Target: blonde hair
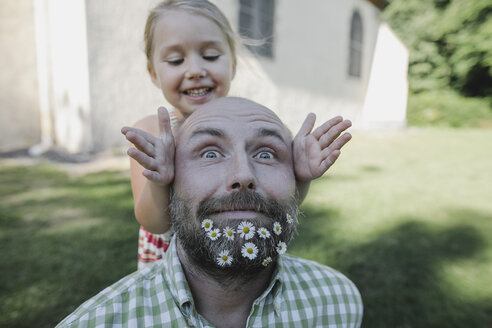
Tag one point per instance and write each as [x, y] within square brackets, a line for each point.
[198, 7]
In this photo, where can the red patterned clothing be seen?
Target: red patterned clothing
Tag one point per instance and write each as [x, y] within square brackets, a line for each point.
[151, 247]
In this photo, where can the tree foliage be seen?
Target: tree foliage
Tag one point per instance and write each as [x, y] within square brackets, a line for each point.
[450, 43]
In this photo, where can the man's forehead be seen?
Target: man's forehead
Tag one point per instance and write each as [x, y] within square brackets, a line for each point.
[225, 112]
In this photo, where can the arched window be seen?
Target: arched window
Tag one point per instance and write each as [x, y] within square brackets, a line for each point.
[356, 38]
[256, 22]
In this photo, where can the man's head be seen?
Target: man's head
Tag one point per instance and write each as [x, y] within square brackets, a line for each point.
[233, 205]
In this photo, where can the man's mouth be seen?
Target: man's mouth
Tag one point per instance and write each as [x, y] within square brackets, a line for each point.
[236, 214]
[197, 92]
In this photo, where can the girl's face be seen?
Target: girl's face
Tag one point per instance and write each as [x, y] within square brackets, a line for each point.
[191, 62]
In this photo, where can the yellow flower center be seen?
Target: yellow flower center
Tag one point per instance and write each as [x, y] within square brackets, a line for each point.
[250, 251]
[263, 232]
[229, 233]
[246, 229]
[214, 234]
[224, 258]
[207, 224]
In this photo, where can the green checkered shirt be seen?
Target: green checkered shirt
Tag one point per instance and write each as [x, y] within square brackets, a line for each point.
[302, 294]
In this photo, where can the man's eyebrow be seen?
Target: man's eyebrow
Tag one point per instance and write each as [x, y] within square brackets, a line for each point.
[270, 133]
[208, 131]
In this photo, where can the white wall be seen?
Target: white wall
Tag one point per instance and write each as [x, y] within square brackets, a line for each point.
[121, 91]
[386, 100]
[309, 70]
[19, 106]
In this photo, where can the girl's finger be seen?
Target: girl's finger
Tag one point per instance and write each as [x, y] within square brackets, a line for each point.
[142, 158]
[165, 131]
[326, 139]
[307, 125]
[336, 145]
[325, 127]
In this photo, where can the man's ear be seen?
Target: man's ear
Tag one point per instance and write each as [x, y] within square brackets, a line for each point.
[152, 74]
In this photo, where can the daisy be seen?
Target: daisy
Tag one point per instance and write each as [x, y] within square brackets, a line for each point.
[277, 228]
[267, 261]
[281, 247]
[246, 230]
[214, 234]
[289, 218]
[224, 258]
[263, 233]
[249, 250]
[228, 233]
[207, 224]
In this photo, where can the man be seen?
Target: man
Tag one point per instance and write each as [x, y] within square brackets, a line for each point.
[233, 209]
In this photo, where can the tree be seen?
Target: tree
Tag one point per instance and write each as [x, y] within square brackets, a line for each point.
[450, 43]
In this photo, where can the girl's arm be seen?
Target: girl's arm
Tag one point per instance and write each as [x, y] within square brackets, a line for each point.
[151, 169]
[315, 152]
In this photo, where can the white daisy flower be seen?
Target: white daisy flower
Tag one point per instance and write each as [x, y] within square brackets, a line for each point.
[281, 247]
[289, 218]
[214, 234]
[249, 250]
[246, 230]
[263, 233]
[228, 233]
[267, 261]
[207, 224]
[277, 228]
[224, 258]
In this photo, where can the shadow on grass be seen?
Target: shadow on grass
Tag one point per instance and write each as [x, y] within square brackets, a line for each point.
[63, 244]
[50, 263]
[400, 272]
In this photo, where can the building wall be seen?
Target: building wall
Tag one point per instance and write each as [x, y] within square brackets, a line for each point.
[121, 91]
[309, 70]
[19, 105]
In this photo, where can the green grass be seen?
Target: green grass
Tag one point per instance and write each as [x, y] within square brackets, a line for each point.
[407, 216]
[62, 240]
[447, 108]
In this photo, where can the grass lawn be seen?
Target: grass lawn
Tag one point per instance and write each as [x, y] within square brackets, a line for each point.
[406, 215]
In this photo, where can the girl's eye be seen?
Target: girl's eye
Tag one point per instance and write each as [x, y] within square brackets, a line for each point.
[211, 58]
[211, 154]
[264, 155]
[175, 62]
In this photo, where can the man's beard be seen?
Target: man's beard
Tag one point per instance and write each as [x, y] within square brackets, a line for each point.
[204, 252]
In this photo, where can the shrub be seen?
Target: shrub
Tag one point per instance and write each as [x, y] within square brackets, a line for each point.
[448, 108]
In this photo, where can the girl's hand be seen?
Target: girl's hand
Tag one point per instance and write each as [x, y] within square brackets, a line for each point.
[315, 152]
[155, 154]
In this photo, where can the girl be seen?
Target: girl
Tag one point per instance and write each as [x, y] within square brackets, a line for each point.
[191, 57]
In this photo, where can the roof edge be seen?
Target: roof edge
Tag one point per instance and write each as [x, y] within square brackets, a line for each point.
[381, 4]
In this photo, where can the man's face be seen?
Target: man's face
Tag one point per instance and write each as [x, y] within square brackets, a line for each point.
[233, 173]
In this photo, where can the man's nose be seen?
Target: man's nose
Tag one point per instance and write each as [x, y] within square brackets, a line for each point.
[241, 174]
[194, 68]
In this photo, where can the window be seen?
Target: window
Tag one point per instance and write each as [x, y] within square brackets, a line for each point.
[356, 38]
[256, 23]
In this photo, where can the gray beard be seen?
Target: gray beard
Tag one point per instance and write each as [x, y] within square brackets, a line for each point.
[203, 251]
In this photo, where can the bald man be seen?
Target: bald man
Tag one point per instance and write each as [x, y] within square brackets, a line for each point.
[234, 212]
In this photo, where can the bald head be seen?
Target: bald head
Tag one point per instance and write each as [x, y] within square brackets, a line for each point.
[233, 109]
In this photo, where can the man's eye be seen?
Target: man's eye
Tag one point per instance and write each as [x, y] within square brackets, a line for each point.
[175, 62]
[264, 155]
[211, 154]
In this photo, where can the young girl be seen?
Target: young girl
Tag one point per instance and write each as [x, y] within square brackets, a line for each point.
[191, 57]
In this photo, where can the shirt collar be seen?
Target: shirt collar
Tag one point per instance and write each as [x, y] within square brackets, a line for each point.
[175, 278]
[174, 275]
